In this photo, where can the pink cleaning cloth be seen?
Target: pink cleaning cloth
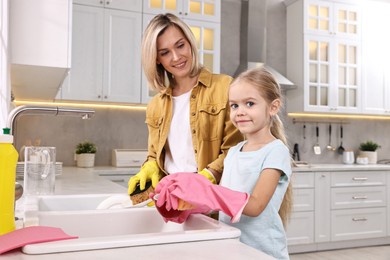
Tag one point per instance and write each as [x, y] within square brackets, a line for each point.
[31, 235]
[198, 191]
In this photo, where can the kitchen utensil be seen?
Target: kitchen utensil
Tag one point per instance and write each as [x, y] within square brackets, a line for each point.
[296, 156]
[303, 147]
[329, 147]
[341, 149]
[317, 147]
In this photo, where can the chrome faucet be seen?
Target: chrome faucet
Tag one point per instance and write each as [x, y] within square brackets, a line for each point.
[41, 110]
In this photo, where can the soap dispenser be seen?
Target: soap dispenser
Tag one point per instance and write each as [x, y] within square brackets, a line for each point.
[8, 162]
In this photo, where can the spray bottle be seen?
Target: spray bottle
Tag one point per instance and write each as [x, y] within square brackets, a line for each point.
[8, 162]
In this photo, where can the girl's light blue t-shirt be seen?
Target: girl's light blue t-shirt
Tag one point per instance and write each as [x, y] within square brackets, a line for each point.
[241, 172]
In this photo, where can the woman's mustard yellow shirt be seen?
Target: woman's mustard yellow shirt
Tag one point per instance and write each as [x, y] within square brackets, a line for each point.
[212, 131]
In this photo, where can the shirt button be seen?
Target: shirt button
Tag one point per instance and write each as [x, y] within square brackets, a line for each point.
[193, 131]
[193, 96]
[193, 114]
[213, 110]
[196, 151]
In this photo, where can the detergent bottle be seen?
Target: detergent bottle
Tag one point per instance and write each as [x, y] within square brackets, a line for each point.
[8, 162]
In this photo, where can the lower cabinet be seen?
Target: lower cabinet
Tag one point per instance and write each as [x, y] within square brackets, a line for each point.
[358, 205]
[300, 229]
[358, 223]
[336, 209]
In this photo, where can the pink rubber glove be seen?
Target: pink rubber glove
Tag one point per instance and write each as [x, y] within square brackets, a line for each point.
[198, 191]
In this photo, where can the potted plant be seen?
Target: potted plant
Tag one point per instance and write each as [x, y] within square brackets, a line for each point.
[85, 154]
[368, 149]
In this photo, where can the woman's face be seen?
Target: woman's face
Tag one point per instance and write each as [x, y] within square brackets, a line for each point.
[174, 52]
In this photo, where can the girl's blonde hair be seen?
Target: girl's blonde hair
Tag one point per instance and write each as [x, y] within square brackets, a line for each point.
[269, 89]
[158, 78]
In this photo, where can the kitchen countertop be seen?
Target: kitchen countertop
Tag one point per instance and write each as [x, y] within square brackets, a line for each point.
[342, 167]
[75, 180]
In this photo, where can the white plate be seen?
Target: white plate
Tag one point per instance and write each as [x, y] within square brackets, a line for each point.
[120, 202]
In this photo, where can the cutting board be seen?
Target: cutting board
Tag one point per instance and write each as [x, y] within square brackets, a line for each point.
[31, 235]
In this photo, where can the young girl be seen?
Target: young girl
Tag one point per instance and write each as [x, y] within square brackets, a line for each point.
[259, 166]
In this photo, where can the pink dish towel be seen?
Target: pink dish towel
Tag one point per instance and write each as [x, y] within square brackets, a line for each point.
[31, 235]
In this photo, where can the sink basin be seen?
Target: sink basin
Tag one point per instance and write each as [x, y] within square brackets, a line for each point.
[72, 202]
[113, 228]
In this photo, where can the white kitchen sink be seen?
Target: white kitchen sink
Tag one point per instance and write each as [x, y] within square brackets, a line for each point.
[72, 202]
[113, 228]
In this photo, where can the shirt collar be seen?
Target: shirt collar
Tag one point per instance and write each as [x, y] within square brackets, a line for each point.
[204, 80]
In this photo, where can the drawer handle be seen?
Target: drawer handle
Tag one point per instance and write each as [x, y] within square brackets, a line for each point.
[121, 180]
[359, 219]
[359, 197]
[359, 178]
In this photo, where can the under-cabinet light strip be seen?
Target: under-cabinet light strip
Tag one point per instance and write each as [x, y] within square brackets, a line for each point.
[334, 116]
[73, 104]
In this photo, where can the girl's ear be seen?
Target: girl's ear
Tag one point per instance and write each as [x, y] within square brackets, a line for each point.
[274, 107]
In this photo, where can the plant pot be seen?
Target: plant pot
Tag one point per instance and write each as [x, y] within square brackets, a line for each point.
[86, 160]
[371, 156]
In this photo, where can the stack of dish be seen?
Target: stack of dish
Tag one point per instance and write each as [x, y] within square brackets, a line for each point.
[20, 169]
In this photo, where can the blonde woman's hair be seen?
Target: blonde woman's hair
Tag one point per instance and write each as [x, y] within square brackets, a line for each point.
[269, 89]
[158, 78]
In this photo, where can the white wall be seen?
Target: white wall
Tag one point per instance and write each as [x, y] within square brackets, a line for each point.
[5, 96]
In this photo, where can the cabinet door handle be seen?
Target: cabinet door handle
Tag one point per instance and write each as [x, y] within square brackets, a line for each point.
[121, 180]
[359, 219]
[359, 197]
[359, 178]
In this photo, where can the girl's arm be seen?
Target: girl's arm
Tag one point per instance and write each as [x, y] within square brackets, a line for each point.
[262, 193]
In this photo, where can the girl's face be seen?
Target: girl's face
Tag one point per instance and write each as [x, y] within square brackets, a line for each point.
[174, 52]
[249, 111]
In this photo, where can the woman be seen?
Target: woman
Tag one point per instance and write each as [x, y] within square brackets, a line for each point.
[188, 121]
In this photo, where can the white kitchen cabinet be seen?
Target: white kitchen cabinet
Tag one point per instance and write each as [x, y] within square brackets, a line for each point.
[358, 205]
[202, 10]
[207, 33]
[376, 54]
[300, 229]
[106, 61]
[322, 207]
[341, 208]
[324, 56]
[133, 5]
[40, 47]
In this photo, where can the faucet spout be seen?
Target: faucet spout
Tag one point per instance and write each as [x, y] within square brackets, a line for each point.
[42, 110]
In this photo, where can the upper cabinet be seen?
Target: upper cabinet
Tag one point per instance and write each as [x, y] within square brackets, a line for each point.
[324, 56]
[202, 10]
[40, 35]
[106, 61]
[106, 46]
[376, 42]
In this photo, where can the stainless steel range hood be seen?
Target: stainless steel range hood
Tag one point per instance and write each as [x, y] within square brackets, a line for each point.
[253, 40]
